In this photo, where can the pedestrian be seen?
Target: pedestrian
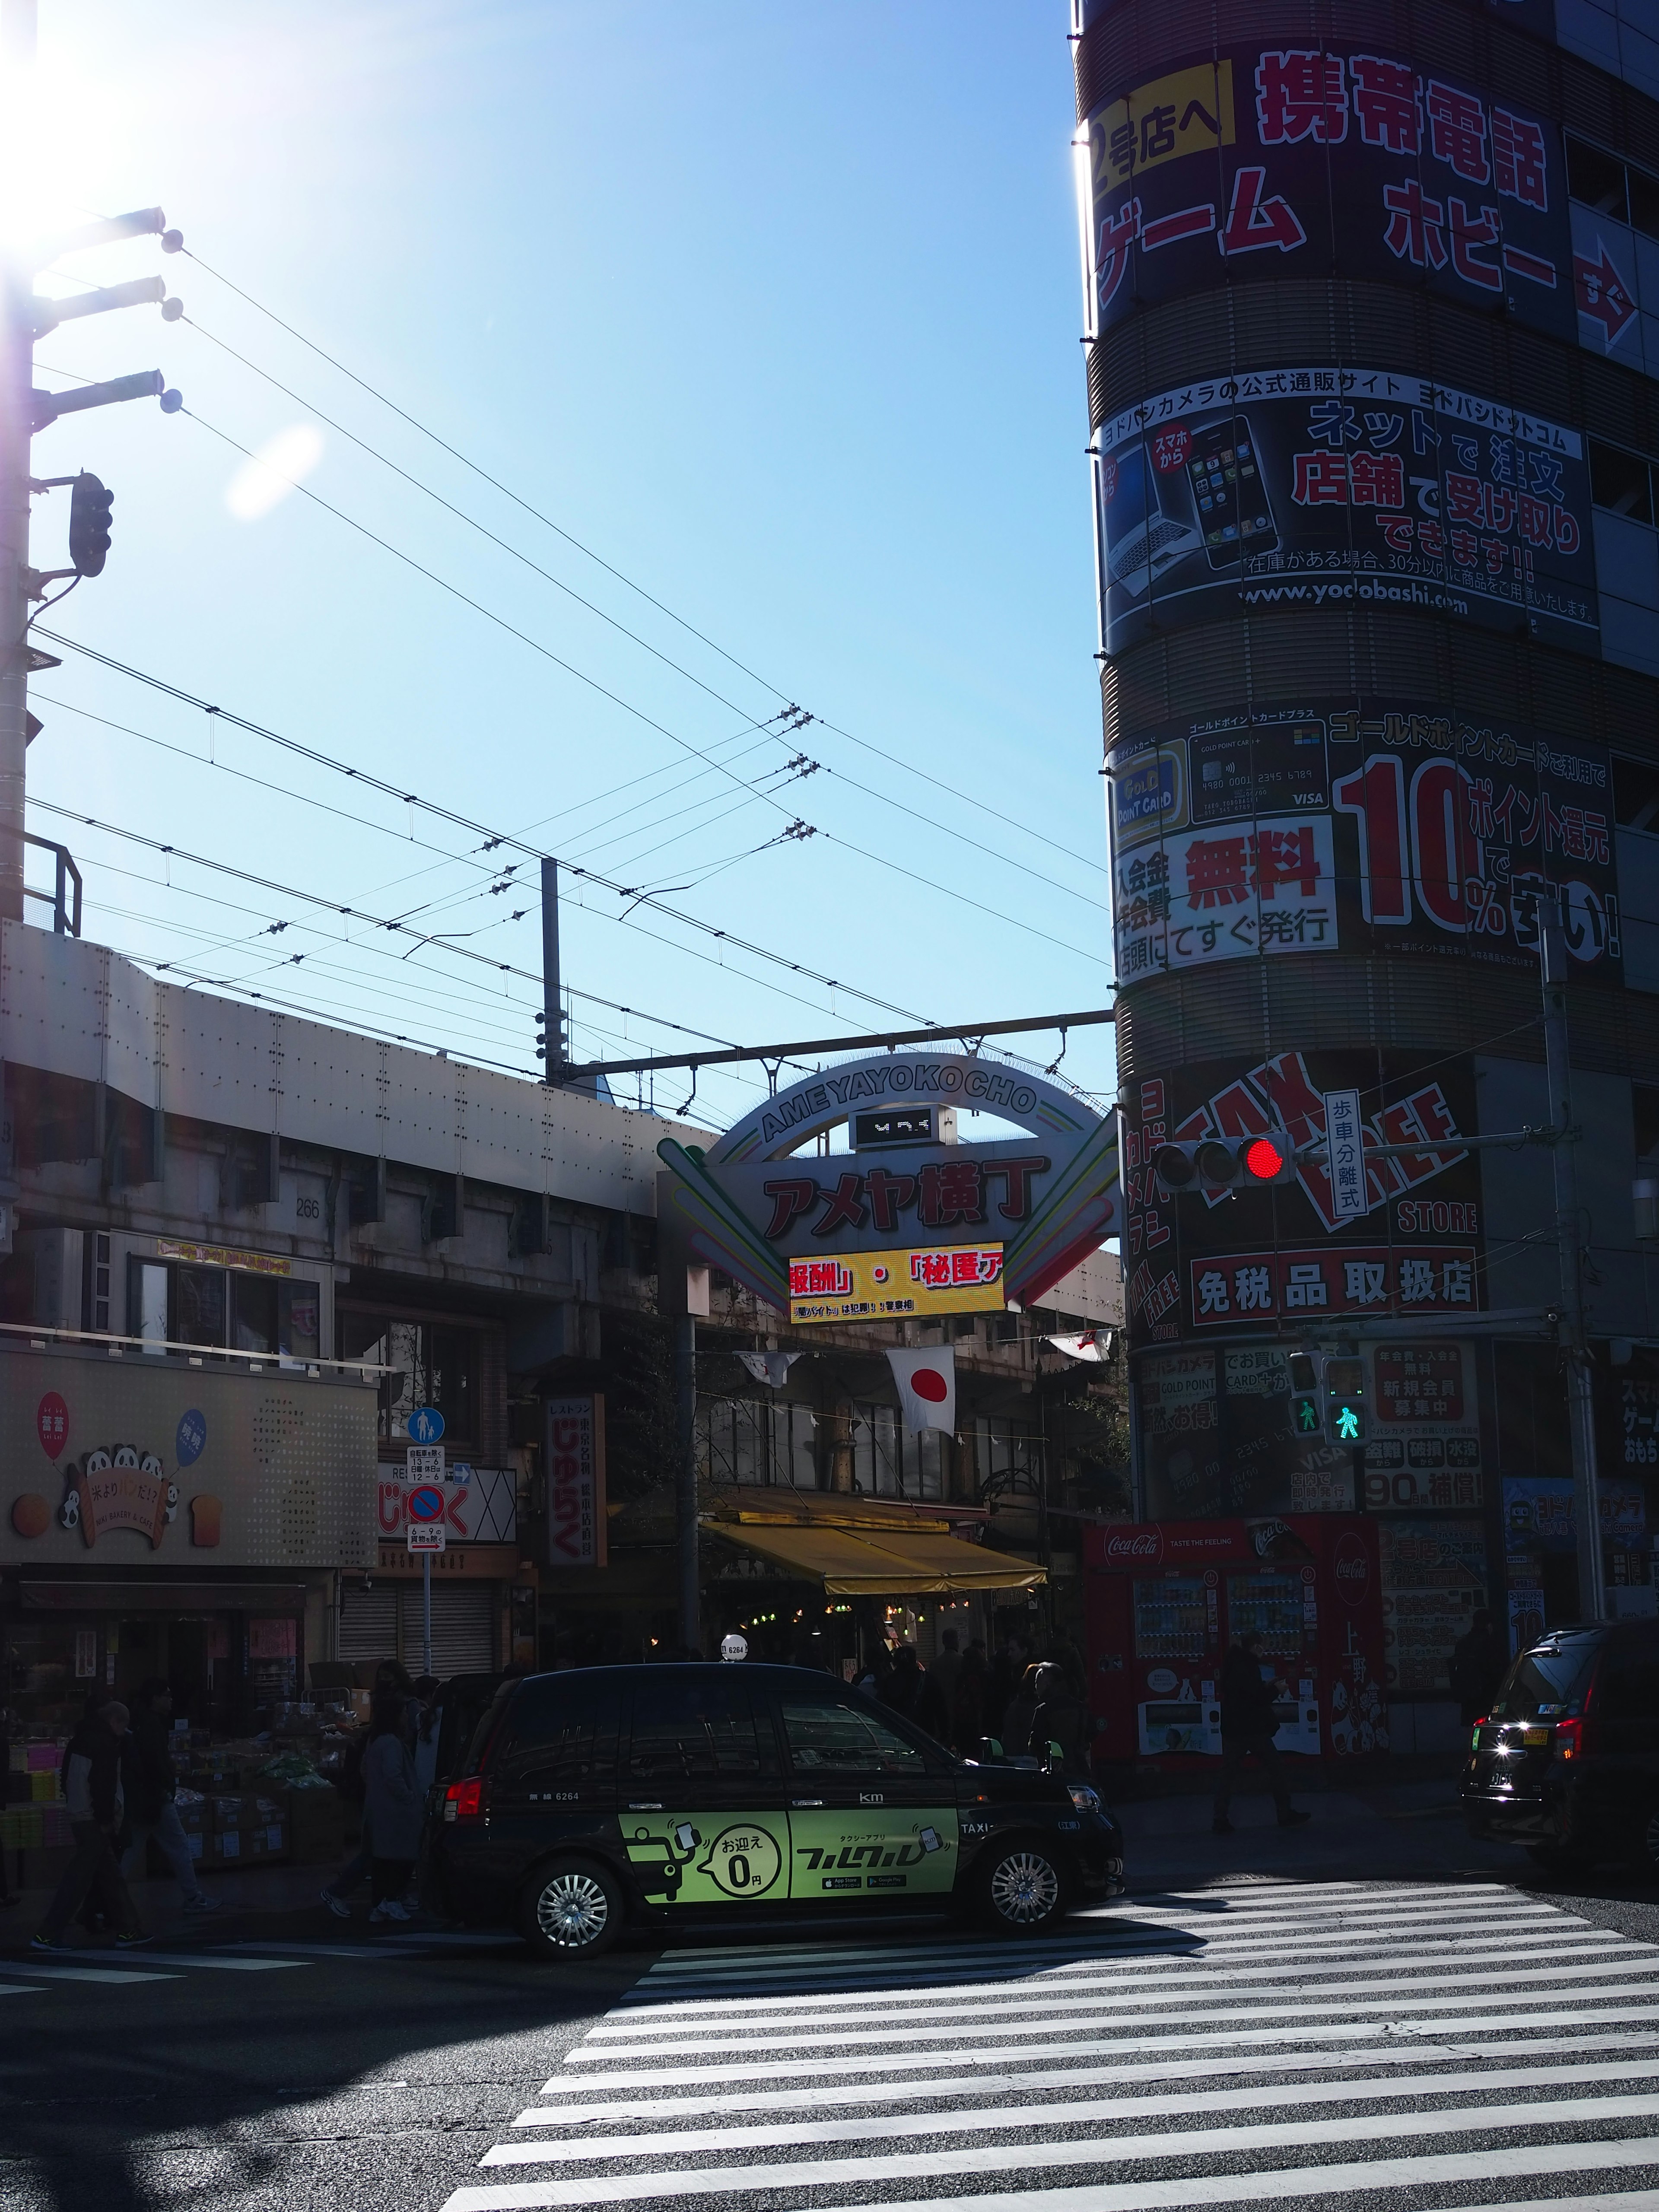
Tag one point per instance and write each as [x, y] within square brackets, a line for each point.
[356, 1868]
[1061, 1717]
[911, 1690]
[150, 1787]
[428, 1723]
[1479, 1662]
[97, 1807]
[393, 1807]
[1019, 1713]
[946, 1666]
[1248, 1726]
[968, 1703]
[1008, 1666]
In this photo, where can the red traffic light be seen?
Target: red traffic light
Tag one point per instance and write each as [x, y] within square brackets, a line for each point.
[1266, 1160]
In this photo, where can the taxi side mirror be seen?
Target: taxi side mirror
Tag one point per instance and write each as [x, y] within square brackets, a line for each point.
[1055, 1757]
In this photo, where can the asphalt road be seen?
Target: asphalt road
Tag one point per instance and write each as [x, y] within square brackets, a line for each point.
[1270, 2035]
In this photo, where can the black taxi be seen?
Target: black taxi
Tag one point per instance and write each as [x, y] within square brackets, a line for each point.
[604, 1797]
[1566, 1761]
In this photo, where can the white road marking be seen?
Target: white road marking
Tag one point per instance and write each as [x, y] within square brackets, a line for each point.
[1070, 2112]
[213, 1959]
[82, 1973]
[1012, 2054]
[1113, 2150]
[1412, 2053]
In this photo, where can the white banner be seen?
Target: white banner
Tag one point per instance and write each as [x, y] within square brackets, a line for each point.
[1224, 893]
[1345, 1158]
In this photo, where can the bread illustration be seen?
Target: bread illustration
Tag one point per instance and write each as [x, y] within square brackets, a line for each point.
[204, 1515]
[31, 1514]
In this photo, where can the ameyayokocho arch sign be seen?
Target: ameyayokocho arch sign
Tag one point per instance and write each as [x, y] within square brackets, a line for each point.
[751, 1205]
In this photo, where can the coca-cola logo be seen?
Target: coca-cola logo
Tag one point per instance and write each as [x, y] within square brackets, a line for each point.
[1136, 1544]
[1351, 1568]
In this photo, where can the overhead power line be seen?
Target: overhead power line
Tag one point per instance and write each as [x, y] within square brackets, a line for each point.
[997, 814]
[495, 838]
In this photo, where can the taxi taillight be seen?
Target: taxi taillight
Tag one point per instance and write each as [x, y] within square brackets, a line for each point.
[465, 1800]
[1569, 1739]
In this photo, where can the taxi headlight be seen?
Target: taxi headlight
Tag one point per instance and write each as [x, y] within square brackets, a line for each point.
[1085, 1799]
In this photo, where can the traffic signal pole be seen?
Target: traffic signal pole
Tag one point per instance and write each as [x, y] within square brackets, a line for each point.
[1569, 1241]
[23, 316]
[17, 40]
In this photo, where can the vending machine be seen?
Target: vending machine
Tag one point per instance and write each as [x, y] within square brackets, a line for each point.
[1164, 1598]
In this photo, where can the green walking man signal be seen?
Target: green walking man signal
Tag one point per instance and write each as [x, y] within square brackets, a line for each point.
[1345, 1401]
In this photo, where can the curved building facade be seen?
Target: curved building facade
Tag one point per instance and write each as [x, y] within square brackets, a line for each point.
[1373, 370]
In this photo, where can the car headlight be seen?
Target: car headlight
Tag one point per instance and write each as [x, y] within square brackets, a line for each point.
[1085, 1799]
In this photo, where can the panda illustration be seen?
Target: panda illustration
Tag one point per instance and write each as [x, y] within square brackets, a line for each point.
[173, 1501]
[68, 1513]
[126, 1456]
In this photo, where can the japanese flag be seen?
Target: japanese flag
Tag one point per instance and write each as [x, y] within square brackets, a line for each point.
[927, 1388]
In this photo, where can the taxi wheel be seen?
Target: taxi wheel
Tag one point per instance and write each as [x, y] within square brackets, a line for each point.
[572, 1910]
[1023, 1889]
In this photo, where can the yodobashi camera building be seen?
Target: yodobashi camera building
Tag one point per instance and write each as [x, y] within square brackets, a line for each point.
[1372, 334]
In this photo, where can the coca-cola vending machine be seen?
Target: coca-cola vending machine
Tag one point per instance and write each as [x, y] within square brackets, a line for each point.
[1164, 1598]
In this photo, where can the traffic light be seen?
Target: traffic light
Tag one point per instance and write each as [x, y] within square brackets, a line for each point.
[1226, 1163]
[1345, 1401]
[559, 1052]
[1306, 1417]
[90, 524]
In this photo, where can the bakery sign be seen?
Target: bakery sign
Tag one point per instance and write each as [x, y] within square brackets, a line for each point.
[123, 1488]
[794, 1225]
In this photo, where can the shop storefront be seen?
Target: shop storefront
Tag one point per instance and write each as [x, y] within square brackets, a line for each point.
[169, 1516]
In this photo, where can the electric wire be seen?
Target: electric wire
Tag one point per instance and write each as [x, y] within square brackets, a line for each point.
[947, 890]
[374, 392]
[494, 838]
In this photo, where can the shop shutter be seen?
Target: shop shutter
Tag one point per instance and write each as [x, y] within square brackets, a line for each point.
[368, 1623]
[463, 1629]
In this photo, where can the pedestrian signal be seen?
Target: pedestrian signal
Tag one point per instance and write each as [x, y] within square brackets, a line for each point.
[1226, 1163]
[1306, 1418]
[1345, 1401]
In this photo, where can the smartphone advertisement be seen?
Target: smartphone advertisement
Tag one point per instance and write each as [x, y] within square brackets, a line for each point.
[1335, 488]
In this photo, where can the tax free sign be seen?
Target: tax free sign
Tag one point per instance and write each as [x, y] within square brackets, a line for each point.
[763, 1207]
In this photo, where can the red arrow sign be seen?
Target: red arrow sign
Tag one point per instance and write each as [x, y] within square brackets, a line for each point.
[1602, 293]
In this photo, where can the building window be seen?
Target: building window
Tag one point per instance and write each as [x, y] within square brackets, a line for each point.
[753, 1442]
[1620, 481]
[889, 1463]
[1007, 1458]
[431, 1365]
[220, 1309]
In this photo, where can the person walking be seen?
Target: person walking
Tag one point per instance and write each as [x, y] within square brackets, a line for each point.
[1249, 1724]
[968, 1703]
[910, 1690]
[1019, 1715]
[393, 1807]
[97, 1807]
[151, 1787]
[1060, 1716]
[946, 1666]
[1479, 1662]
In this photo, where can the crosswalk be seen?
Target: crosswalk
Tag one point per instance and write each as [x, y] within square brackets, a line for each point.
[1435, 2044]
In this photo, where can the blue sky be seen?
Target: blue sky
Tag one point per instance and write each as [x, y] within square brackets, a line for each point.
[775, 309]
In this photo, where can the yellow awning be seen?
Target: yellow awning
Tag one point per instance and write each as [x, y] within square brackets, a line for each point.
[867, 1563]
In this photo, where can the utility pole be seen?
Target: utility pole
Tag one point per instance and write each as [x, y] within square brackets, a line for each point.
[17, 42]
[1569, 1241]
[552, 1046]
[685, 1479]
[24, 316]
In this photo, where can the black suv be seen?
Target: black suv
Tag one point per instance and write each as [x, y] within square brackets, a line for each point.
[1567, 1760]
[607, 1797]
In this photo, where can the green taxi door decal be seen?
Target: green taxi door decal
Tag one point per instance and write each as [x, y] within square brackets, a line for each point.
[907, 1849]
[708, 1858]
